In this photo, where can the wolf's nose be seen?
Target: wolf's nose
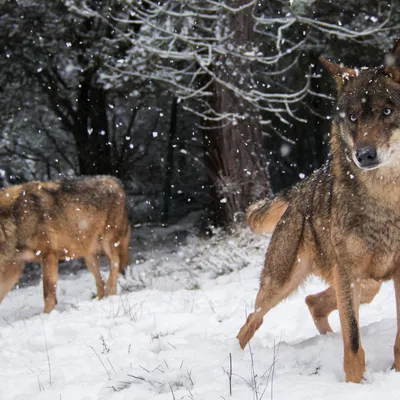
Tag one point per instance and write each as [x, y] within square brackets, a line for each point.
[366, 156]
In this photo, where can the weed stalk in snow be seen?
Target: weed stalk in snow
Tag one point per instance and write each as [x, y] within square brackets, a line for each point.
[47, 352]
[95, 352]
[253, 375]
[173, 394]
[230, 374]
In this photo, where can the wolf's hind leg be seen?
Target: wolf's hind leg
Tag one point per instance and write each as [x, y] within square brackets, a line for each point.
[287, 264]
[112, 254]
[320, 306]
[274, 288]
[92, 264]
[323, 303]
[124, 250]
[50, 276]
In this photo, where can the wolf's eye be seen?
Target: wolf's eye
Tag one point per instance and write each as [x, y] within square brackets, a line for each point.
[352, 117]
[386, 112]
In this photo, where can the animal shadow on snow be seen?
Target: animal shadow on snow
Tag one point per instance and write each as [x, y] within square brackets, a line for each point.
[318, 355]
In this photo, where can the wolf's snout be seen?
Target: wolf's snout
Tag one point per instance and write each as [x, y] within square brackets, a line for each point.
[366, 157]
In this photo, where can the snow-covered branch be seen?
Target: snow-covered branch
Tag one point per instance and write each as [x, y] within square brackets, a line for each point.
[189, 47]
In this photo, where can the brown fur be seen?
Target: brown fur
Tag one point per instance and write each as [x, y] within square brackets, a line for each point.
[343, 223]
[49, 221]
[263, 217]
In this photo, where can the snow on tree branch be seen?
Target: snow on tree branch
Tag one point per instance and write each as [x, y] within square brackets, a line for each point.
[187, 47]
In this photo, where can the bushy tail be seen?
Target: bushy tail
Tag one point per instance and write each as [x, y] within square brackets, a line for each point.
[263, 215]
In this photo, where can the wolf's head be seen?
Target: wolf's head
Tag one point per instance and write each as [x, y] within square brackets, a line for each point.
[368, 112]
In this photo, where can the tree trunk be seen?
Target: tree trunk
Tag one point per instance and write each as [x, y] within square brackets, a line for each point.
[236, 163]
[91, 129]
[169, 161]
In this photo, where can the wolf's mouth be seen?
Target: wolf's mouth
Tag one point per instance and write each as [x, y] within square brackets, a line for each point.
[370, 167]
[385, 158]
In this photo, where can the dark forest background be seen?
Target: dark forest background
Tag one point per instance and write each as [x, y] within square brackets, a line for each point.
[197, 105]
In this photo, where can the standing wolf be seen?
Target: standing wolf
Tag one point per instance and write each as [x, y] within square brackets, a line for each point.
[49, 221]
[342, 223]
[263, 217]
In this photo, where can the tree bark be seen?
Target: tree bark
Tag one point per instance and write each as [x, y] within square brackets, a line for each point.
[169, 161]
[235, 160]
[91, 129]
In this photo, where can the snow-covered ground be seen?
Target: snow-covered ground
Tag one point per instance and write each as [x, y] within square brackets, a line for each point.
[173, 335]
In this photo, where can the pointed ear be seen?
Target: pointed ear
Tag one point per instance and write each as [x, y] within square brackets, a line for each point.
[339, 72]
[392, 62]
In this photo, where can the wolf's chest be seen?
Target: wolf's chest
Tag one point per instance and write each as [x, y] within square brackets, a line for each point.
[381, 235]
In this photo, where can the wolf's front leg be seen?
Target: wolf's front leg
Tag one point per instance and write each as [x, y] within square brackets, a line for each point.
[348, 294]
[9, 276]
[396, 281]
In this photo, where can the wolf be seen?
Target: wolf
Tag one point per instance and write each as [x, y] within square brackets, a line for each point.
[343, 222]
[60, 220]
[263, 216]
